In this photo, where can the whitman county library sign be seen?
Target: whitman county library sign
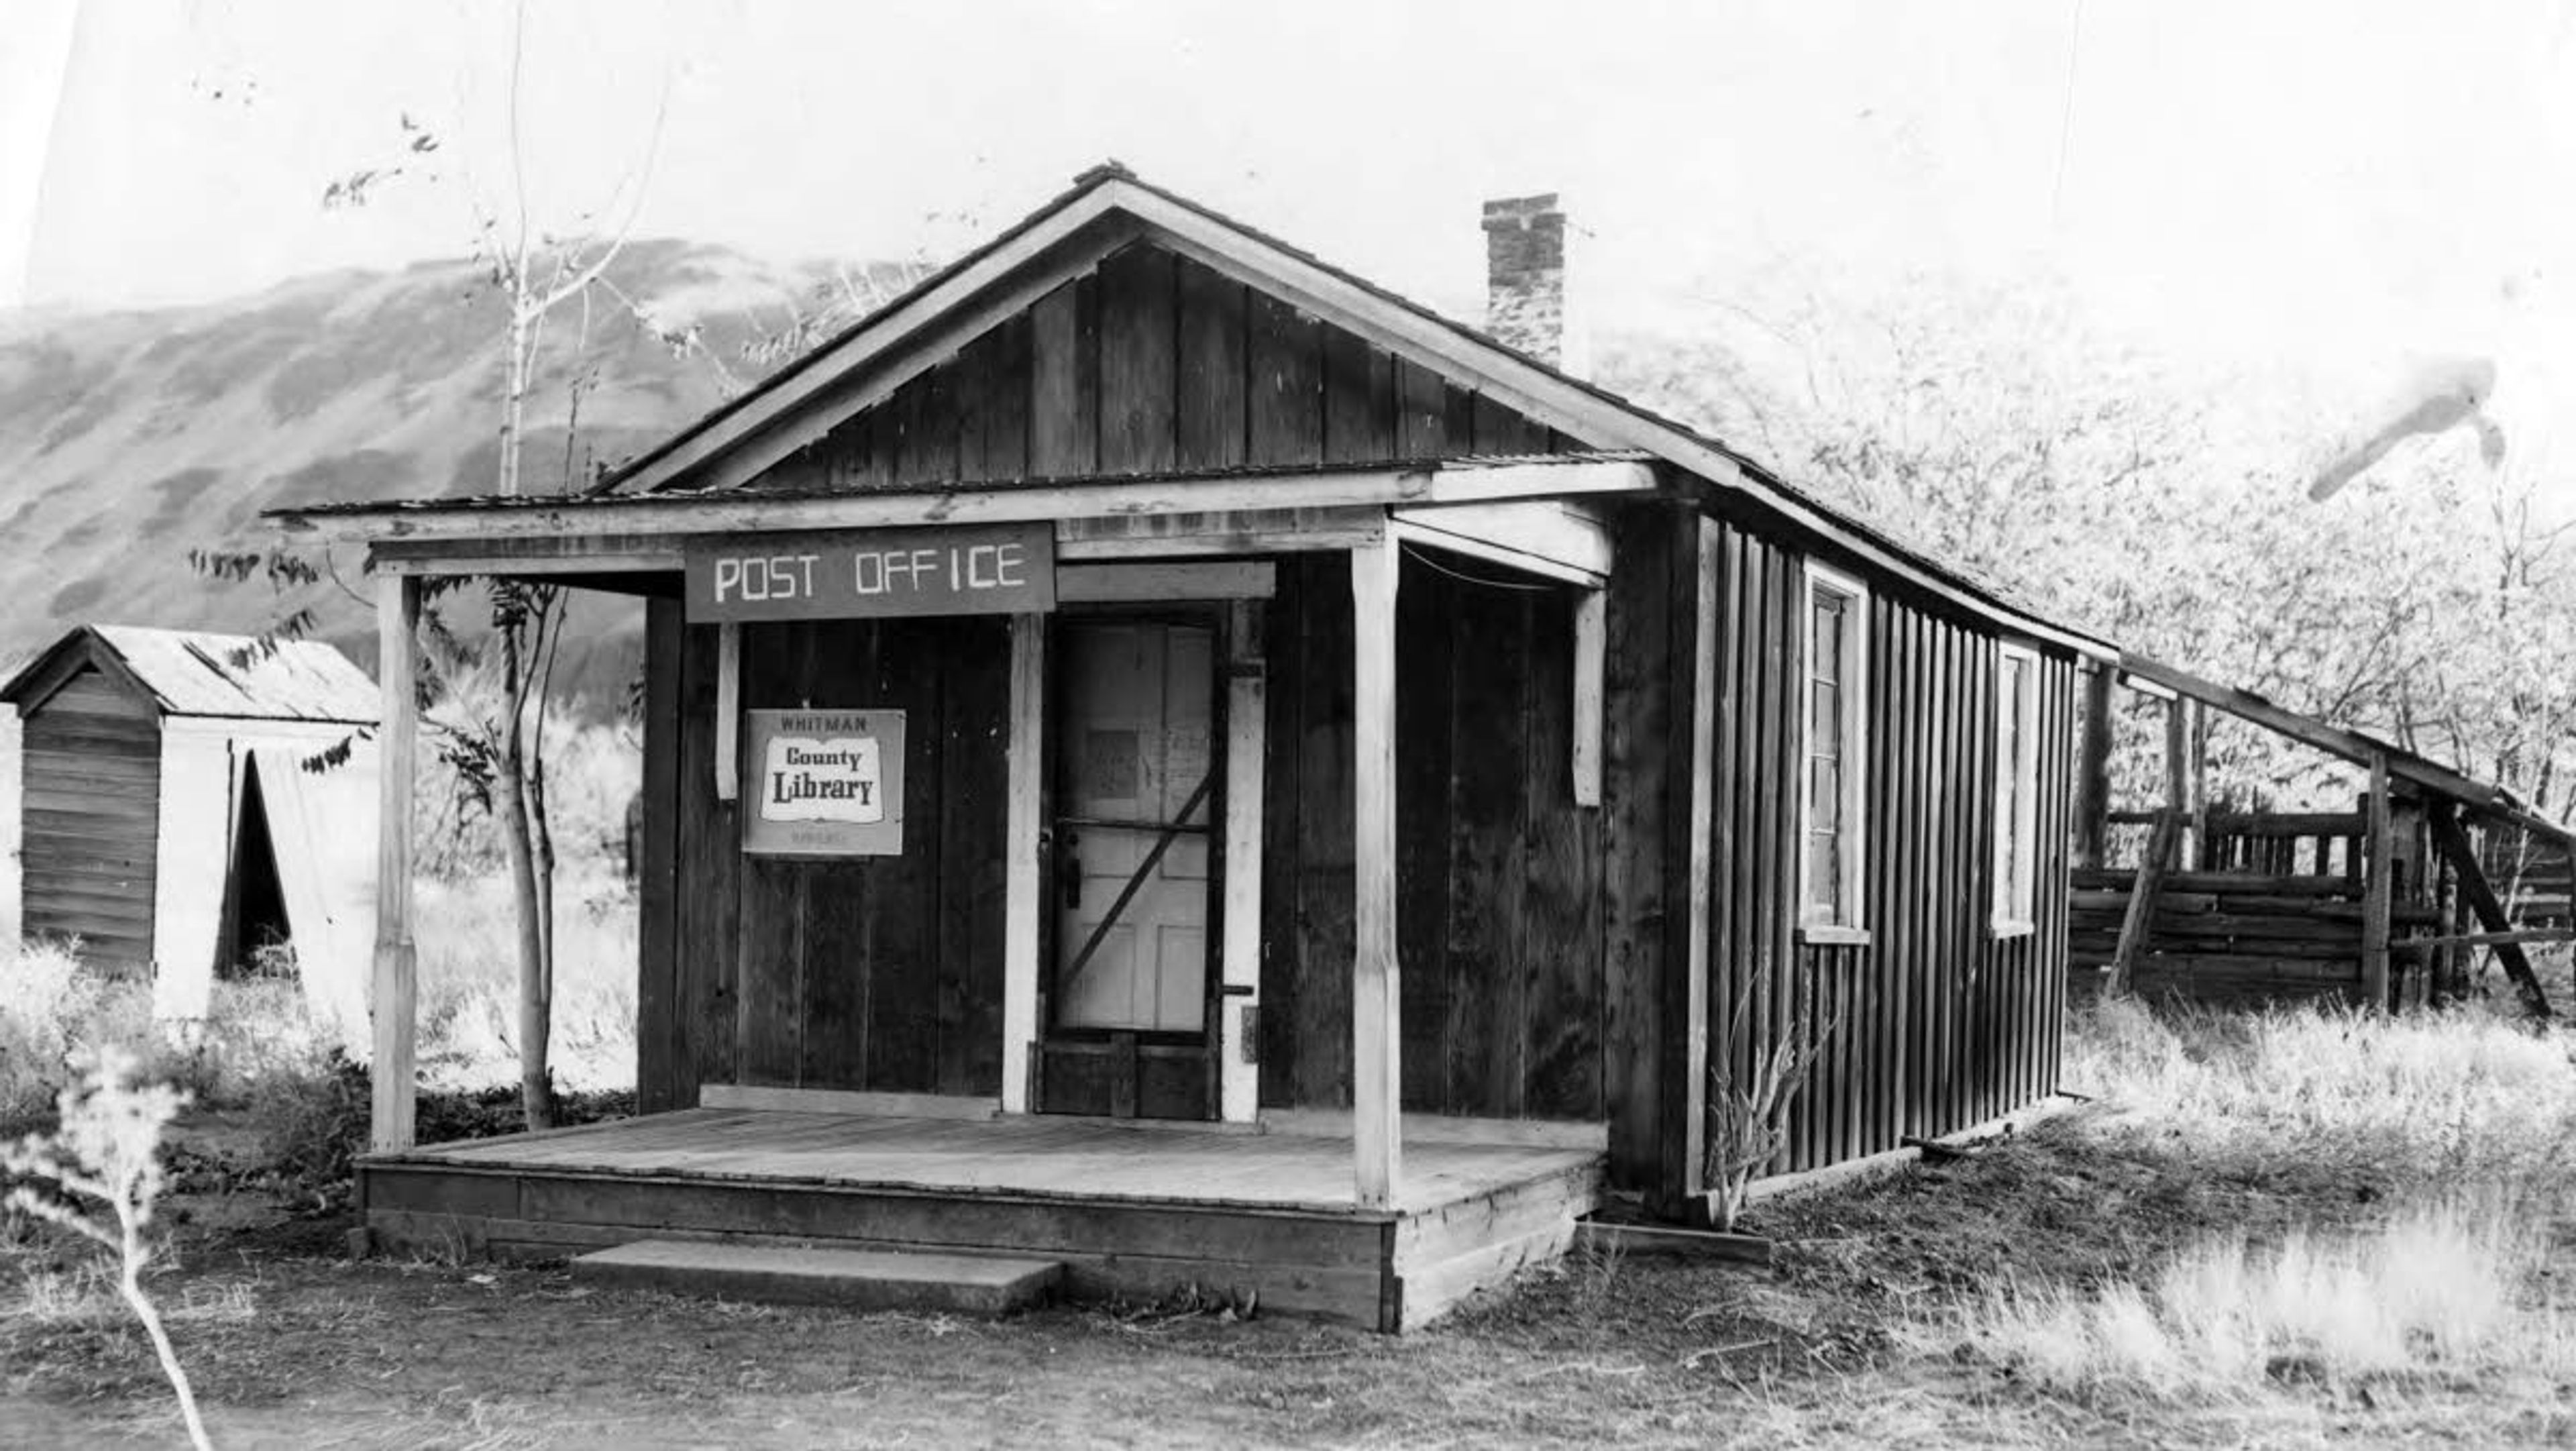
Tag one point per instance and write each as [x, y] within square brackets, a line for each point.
[824, 782]
[1006, 569]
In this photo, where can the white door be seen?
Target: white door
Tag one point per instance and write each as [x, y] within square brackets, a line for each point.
[1135, 807]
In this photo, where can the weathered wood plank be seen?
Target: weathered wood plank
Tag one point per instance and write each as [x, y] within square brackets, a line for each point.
[1695, 580]
[658, 1026]
[1138, 366]
[1426, 714]
[1212, 369]
[707, 955]
[1634, 787]
[1359, 399]
[1064, 395]
[1286, 389]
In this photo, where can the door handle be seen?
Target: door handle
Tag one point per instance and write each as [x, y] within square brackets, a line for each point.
[1068, 870]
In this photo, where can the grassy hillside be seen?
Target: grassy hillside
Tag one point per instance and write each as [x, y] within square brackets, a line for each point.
[129, 438]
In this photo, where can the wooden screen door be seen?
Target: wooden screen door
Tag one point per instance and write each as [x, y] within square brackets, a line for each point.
[1137, 772]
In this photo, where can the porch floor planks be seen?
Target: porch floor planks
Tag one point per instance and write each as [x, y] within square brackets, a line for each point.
[1083, 1160]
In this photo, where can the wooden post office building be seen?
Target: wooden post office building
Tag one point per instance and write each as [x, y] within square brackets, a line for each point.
[1168, 755]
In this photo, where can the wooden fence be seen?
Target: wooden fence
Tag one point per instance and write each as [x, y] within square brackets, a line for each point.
[2391, 904]
[2270, 906]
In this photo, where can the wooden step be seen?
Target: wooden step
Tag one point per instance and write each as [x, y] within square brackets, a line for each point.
[858, 1278]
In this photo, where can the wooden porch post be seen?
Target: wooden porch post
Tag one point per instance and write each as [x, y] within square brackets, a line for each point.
[2093, 779]
[1376, 995]
[1023, 888]
[397, 962]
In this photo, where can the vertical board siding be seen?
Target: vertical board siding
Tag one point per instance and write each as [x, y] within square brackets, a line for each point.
[1498, 915]
[1938, 1022]
[1153, 363]
[881, 973]
[91, 795]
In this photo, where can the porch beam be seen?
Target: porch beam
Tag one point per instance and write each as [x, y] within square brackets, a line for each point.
[1376, 986]
[662, 516]
[1542, 536]
[397, 960]
[1152, 583]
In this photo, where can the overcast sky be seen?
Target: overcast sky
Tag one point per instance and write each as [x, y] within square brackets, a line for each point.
[2334, 183]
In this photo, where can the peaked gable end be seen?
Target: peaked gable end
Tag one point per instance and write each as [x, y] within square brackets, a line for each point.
[1151, 363]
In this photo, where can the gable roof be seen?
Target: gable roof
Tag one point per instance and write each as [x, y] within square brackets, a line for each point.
[1110, 206]
[196, 673]
[1107, 210]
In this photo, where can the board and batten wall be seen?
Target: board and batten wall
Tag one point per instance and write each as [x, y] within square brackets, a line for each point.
[878, 973]
[1498, 872]
[1153, 363]
[1938, 1021]
[91, 797]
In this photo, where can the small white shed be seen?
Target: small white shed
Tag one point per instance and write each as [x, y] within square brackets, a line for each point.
[183, 799]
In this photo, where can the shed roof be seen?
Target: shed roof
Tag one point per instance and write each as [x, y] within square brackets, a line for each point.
[199, 673]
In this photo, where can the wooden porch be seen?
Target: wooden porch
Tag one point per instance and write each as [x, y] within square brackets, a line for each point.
[1131, 1209]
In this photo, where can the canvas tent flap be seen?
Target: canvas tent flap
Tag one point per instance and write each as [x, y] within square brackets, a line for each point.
[322, 831]
[323, 824]
[200, 801]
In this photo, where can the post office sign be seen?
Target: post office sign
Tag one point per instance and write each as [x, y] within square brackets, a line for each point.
[824, 783]
[969, 570]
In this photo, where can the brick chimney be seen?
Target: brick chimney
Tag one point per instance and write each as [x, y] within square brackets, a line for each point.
[1526, 246]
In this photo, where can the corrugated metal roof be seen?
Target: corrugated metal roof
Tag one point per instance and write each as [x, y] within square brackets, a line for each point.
[199, 673]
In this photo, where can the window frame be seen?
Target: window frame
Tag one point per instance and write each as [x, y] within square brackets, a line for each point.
[2013, 903]
[1847, 921]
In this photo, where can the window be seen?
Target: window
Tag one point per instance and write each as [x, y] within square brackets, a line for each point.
[2016, 789]
[1834, 761]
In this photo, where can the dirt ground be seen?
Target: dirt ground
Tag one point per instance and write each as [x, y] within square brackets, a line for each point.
[292, 1345]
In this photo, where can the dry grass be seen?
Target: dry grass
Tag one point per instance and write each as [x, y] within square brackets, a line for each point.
[2437, 1291]
[469, 983]
[52, 1006]
[2408, 1262]
[2288, 1230]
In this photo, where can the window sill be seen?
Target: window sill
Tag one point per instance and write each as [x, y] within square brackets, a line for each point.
[2007, 927]
[1821, 934]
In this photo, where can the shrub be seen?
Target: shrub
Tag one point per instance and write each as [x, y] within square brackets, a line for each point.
[313, 1124]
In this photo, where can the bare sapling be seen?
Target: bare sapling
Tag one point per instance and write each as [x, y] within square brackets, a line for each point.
[1748, 1115]
[107, 1152]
